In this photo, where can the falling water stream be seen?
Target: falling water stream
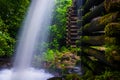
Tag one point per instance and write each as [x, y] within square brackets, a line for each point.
[34, 28]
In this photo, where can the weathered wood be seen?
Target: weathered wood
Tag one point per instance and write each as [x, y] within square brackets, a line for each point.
[98, 11]
[98, 24]
[92, 40]
[112, 41]
[85, 60]
[98, 33]
[89, 3]
[112, 5]
[96, 53]
[93, 52]
[72, 18]
[112, 30]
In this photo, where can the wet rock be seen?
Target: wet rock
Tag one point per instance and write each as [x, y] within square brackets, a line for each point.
[75, 70]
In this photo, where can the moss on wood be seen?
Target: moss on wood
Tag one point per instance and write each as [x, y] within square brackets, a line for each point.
[112, 53]
[108, 18]
[109, 41]
[98, 11]
[89, 3]
[98, 24]
[112, 5]
[92, 40]
[112, 30]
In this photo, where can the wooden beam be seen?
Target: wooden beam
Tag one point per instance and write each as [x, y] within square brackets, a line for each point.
[98, 24]
[98, 11]
[89, 3]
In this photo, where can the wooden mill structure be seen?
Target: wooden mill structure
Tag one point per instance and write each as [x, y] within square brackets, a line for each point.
[93, 25]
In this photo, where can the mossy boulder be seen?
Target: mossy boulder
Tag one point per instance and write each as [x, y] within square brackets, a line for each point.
[66, 60]
[112, 30]
[112, 5]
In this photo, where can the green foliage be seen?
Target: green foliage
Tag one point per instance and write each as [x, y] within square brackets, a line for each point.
[6, 45]
[12, 12]
[72, 77]
[112, 30]
[11, 16]
[50, 55]
[104, 76]
[58, 28]
[61, 58]
[108, 75]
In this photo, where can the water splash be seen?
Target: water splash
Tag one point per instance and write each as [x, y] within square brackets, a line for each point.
[28, 74]
[35, 25]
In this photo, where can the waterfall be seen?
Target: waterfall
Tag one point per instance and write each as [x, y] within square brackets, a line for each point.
[34, 27]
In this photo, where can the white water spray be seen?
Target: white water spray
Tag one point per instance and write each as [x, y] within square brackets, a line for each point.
[35, 25]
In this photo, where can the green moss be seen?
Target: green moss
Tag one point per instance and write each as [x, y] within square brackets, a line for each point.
[72, 77]
[108, 75]
[108, 18]
[112, 41]
[112, 30]
[85, 38]
[86, 15]
[112, 5]
[112, 53]
[86, 26]
[66, 60]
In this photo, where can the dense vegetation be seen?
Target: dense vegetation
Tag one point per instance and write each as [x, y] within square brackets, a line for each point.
[58, 56]
[11, 16]
[58, 27]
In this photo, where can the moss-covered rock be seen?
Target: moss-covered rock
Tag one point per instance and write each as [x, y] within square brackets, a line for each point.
[112, 5]
[112, 30]
[66, 60]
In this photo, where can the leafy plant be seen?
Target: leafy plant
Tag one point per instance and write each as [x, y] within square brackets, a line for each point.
[58, 27]
[11, 16]
[6, 44]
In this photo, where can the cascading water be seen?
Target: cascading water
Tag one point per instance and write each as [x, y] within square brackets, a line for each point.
[35, 25]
